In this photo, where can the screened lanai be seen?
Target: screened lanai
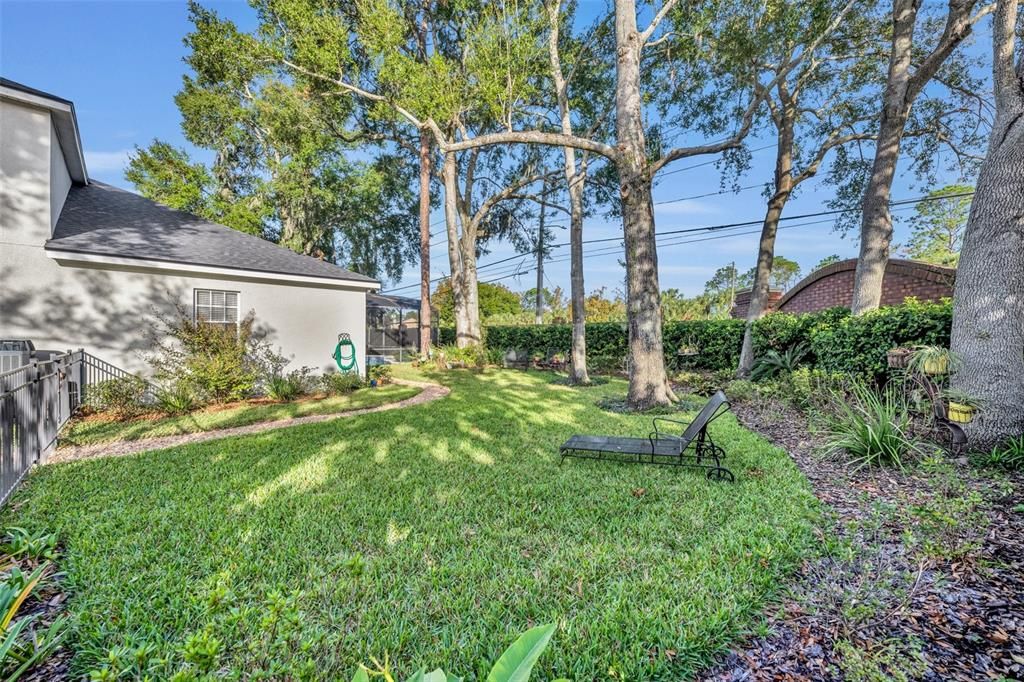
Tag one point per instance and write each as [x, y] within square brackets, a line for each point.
[392, 328]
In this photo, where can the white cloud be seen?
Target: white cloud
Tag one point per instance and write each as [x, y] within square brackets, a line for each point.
[99, 162]
[689, 207]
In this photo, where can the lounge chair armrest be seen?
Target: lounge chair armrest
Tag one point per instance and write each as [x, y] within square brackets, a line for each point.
[654, 423]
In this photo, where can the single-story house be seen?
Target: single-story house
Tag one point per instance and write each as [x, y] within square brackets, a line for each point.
[832, 286]
[87, 265]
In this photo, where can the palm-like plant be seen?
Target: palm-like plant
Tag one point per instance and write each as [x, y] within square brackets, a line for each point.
[773, 362]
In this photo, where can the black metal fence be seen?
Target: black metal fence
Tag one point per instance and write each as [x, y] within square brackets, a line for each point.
[36, 400]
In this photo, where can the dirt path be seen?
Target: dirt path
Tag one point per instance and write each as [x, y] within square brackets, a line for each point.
[429, 393]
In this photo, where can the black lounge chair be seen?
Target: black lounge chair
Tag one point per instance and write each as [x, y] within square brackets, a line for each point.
[694, 448]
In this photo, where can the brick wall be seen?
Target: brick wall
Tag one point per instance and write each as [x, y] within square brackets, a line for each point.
[742, 304]
[833, 285]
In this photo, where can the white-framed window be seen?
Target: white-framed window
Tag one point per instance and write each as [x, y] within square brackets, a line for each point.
[216, 307]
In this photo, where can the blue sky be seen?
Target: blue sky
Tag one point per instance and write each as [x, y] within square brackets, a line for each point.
[121, 63]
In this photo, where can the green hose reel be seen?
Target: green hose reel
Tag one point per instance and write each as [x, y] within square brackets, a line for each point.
[345, 354]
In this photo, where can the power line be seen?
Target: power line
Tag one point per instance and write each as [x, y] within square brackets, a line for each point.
[706, 228]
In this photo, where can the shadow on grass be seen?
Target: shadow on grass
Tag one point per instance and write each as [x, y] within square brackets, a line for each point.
[465, 529]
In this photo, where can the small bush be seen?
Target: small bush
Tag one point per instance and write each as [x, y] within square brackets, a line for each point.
[872, 428]
[382, 373]
[220, 364]
[740, 390]
[1009, 455]
[121, 397]
[339, 383]
[774, 362]
[285, 388]
[176, 400]
[448, 357]
[704, 383]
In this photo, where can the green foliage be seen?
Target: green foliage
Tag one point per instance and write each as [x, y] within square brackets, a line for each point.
[826, 261]
[858, 345]
[1009, 455]
[340, 383]
[773, 362]
[20, 543]
[166, 175]
[22, 644]
[495, 300]
[891, 661]
[949, 523]
[404, 531]
[872, 428]
[937, 227]
[178, 399]
[740, 390]
[287, 387]
[218, 363]
[121, 396]
[447, 357]
[837, 342]
[515, 664]
[382, 374]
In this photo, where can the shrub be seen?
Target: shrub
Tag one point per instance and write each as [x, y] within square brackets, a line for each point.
[858, 345]
[740, 390]
[176, 400]
[122, 397]
[285, 388]
[836, 342]
[872, 428]
[338, 383]
[774, 362]
[1009, 455]
[452, 356]
[218, 363]
[382, 373]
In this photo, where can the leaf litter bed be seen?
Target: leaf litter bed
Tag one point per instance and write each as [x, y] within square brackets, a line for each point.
[880, 602]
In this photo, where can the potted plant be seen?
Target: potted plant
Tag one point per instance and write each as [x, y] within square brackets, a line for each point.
[898, 358]
[932, 360]
[961, 407]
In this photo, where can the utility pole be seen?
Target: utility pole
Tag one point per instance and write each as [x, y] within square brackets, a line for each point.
[539, 315]
[732, 291]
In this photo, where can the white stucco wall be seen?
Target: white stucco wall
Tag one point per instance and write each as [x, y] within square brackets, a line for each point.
[60, 180]
[24, 175]
[109, 310]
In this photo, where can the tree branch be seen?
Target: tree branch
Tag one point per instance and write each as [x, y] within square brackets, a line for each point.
[646, 34]
[530, 137]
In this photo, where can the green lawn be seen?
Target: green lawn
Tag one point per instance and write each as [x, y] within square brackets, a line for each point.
[432, 535]
[91, 430]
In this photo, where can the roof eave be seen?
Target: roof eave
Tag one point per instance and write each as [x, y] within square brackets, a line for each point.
[64, 121]
[73, 256]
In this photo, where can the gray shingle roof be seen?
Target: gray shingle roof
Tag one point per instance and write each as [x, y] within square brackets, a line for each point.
[104, 220]
[14, 85]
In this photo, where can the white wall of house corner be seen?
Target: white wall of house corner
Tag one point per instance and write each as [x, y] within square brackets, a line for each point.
[60, 179]
[25, 138]
[111, 311]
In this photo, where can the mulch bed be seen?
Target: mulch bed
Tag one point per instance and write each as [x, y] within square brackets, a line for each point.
[964, 617]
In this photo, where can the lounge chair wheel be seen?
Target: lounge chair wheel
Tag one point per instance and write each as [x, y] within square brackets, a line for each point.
[721, 474]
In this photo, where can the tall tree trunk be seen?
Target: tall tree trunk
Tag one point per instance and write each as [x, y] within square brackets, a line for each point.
[449, 174]
[538, 317]
[766, 251]
[648, 382]
[901, 89]
[578, 365]
[762, 278]
[988, 299]
[575, 181]
[425, 312]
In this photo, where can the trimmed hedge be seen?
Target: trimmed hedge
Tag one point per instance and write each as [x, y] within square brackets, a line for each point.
[837, 341]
